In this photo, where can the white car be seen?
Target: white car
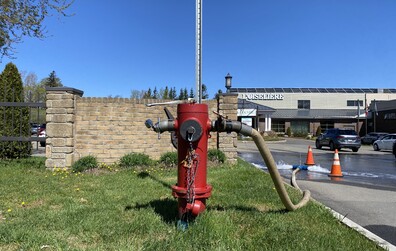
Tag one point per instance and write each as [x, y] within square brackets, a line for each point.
[385, 143]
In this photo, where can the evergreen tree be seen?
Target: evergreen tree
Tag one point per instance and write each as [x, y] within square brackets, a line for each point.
[15, 120]
[204, 92]
[166, 93]
[147, 94]
[181, 94]
[52, 80]
[191, 93]
[185, 93]
[155, 93]
[173, 93]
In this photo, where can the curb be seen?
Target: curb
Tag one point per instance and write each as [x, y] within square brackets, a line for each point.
[348, 222]
[381, 242]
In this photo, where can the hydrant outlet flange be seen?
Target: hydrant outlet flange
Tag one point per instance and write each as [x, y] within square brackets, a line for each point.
[199, 192]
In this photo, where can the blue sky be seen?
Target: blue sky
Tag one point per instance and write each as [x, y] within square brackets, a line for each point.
[113, 47]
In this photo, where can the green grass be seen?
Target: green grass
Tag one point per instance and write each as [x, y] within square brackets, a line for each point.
[134, 210]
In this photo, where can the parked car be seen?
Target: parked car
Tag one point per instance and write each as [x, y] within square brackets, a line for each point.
[42, 127]
[337, 138]
[42, 133]
[370, 137]
[34, 127]
[385, 143]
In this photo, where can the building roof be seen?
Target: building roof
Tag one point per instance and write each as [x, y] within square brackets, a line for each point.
[314, 114]
[244, 104]
[313, 90]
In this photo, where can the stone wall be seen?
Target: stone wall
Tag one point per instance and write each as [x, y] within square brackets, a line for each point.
[109, 128]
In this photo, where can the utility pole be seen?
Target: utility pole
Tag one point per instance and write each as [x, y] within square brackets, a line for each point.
[375, 116]
[358, 116]
[198, 54]
[365, 109]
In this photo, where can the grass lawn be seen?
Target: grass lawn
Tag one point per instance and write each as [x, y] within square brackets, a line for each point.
[134, 210]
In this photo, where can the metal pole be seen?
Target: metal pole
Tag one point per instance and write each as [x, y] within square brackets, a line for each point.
[198, 59]
[375, 116]
[365, 109]
[358, 116]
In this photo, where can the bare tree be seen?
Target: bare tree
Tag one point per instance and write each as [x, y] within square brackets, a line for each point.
[136, 94]
[30, 86]
[20, 18]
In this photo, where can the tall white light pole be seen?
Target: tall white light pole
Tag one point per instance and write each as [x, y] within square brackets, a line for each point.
[198, 48]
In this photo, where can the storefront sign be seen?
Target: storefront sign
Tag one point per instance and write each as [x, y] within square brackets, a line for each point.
[247, 121]
[262, 96]
[246, 113]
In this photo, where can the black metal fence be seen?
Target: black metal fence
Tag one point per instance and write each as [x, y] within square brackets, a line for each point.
[36, 112]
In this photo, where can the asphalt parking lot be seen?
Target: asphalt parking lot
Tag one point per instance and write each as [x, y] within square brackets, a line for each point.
[366, 194]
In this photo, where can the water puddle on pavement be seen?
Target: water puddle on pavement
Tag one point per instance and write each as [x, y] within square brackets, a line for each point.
[318, 172]
[371, 175]
[284, 166]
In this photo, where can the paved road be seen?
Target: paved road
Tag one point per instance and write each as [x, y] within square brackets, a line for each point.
[38, 150]
[366, 194]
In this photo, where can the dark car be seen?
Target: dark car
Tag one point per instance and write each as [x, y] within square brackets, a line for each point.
[369, 138]
[339, 138]
[394, 149]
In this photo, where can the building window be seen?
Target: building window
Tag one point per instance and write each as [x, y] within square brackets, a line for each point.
[300, 127]
[304, 104]
[324, 125]
[355, 103]
[278, 126]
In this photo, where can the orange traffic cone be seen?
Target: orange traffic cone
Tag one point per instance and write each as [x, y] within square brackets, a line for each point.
[336, 167]
[310, 160]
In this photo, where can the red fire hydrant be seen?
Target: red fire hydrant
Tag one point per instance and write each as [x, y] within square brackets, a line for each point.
[192, 126]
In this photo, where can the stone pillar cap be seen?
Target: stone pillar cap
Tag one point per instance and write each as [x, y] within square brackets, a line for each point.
[65, 89]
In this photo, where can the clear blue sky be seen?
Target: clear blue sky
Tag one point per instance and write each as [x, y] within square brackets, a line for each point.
[113, 47]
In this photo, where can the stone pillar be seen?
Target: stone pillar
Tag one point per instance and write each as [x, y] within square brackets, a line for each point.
[227, 143]
[60, 130]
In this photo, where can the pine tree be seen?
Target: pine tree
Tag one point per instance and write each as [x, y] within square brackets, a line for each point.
[204, 92]
[15, 120]
[191, 93]
[155, 93]
[185, 93]
[52, 80]
[166, 93]
[147, 94]
[173, 93]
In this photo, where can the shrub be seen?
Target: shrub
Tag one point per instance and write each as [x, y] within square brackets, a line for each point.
[269, 136]
[300, 134]
[215, 155]
[135, 159]
[289, 132]
[85, 163]
[169, 159]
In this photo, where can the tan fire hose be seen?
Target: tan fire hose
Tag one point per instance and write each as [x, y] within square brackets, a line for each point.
[276, 178]
[222, 124]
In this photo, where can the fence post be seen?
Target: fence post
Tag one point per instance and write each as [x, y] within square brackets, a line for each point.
[227, 143]
[60, 129]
